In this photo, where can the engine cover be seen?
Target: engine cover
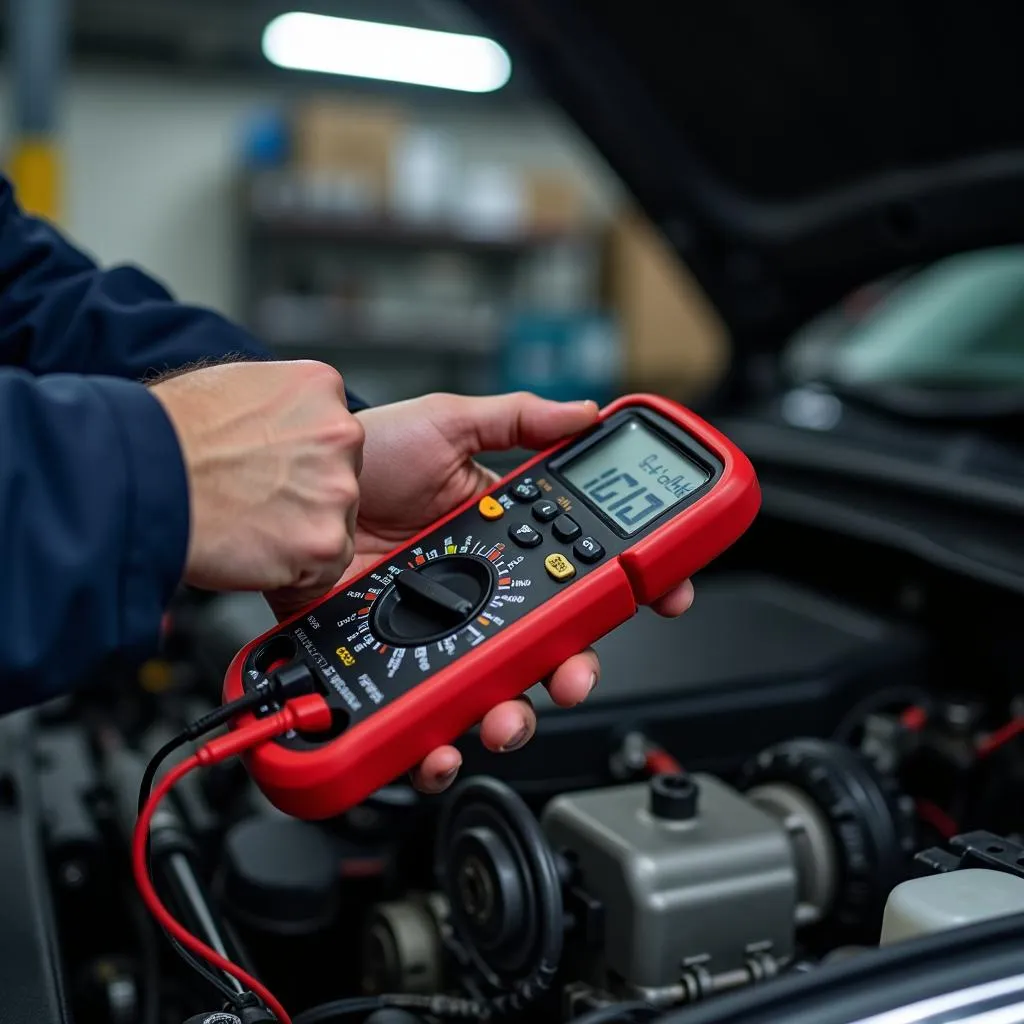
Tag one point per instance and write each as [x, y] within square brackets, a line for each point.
[708, 884]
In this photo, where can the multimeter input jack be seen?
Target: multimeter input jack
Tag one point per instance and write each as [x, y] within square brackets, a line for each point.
[278, 651]
[339, 723]
[281, 652]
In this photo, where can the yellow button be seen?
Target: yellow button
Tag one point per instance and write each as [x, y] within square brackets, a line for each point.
[559, 567]
[490, 509]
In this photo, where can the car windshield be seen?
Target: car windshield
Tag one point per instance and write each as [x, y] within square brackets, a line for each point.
[955, 326]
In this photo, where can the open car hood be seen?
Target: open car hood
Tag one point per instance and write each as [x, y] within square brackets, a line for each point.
[791, 151]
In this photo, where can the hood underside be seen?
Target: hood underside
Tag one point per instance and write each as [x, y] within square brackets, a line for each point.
[792, 150]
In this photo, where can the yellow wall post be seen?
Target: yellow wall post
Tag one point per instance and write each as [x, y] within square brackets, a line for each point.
[36, 57]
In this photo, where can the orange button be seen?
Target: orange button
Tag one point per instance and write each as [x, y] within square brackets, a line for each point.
[490, 508]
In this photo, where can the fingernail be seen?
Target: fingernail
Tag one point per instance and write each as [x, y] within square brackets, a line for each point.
[517, 741]
[590, 688]
[443, 778]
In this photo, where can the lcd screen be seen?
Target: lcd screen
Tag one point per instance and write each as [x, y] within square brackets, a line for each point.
[632, 476]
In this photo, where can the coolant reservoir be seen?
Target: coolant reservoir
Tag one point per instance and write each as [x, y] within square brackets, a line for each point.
[937, 903]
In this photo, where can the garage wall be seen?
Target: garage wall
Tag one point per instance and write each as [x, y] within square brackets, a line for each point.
[150, 162]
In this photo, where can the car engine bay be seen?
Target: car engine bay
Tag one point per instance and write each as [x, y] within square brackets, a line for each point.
[733, 807]
[799, 803]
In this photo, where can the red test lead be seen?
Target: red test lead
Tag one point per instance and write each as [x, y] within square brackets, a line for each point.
[310, 714]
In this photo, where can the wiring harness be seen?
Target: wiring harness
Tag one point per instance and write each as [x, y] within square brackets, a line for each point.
[308, 713]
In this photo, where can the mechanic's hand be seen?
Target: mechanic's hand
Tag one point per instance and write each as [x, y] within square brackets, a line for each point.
[419, 466]
[272, 456]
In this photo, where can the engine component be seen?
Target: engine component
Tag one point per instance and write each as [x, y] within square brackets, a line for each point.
[937, 903]
[970, 976]
[673, 797]
[852, 833]
[668, 891]
[280, 876]
[688, 872]
[403, 949]
[503, 887]
[974, 850]
[66, 775]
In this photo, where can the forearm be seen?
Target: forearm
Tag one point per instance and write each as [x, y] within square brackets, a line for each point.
[94, 521]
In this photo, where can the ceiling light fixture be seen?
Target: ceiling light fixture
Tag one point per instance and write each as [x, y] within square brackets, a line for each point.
[388, 53]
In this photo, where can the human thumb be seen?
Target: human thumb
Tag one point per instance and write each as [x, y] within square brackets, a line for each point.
[518, 420]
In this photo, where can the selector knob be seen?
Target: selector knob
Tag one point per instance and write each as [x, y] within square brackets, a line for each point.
[427, 604]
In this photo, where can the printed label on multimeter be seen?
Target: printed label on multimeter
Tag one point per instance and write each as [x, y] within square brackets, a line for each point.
[512, 580]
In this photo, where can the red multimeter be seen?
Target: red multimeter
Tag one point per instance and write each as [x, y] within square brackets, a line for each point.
[491, 599]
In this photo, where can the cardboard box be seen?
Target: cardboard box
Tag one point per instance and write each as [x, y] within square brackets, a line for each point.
[674, 341]
[554, 202]
[354, 141]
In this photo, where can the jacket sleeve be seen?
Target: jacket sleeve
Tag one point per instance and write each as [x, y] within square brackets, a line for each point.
[61, 313]
[94, 522]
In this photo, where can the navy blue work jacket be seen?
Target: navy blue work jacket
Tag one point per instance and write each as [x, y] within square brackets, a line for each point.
[94, 511]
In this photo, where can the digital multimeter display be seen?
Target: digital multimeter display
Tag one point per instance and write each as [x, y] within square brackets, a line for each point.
[632, 476]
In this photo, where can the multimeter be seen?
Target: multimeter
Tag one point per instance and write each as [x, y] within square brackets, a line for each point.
[491, 599]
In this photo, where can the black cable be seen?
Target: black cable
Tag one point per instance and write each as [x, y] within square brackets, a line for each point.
[195, 730]
[154, 763]
[149, 952]
[151, 958]
[277, 688]
[207, 973]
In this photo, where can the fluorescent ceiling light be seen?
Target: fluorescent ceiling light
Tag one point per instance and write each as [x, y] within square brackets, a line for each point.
[389, 53]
